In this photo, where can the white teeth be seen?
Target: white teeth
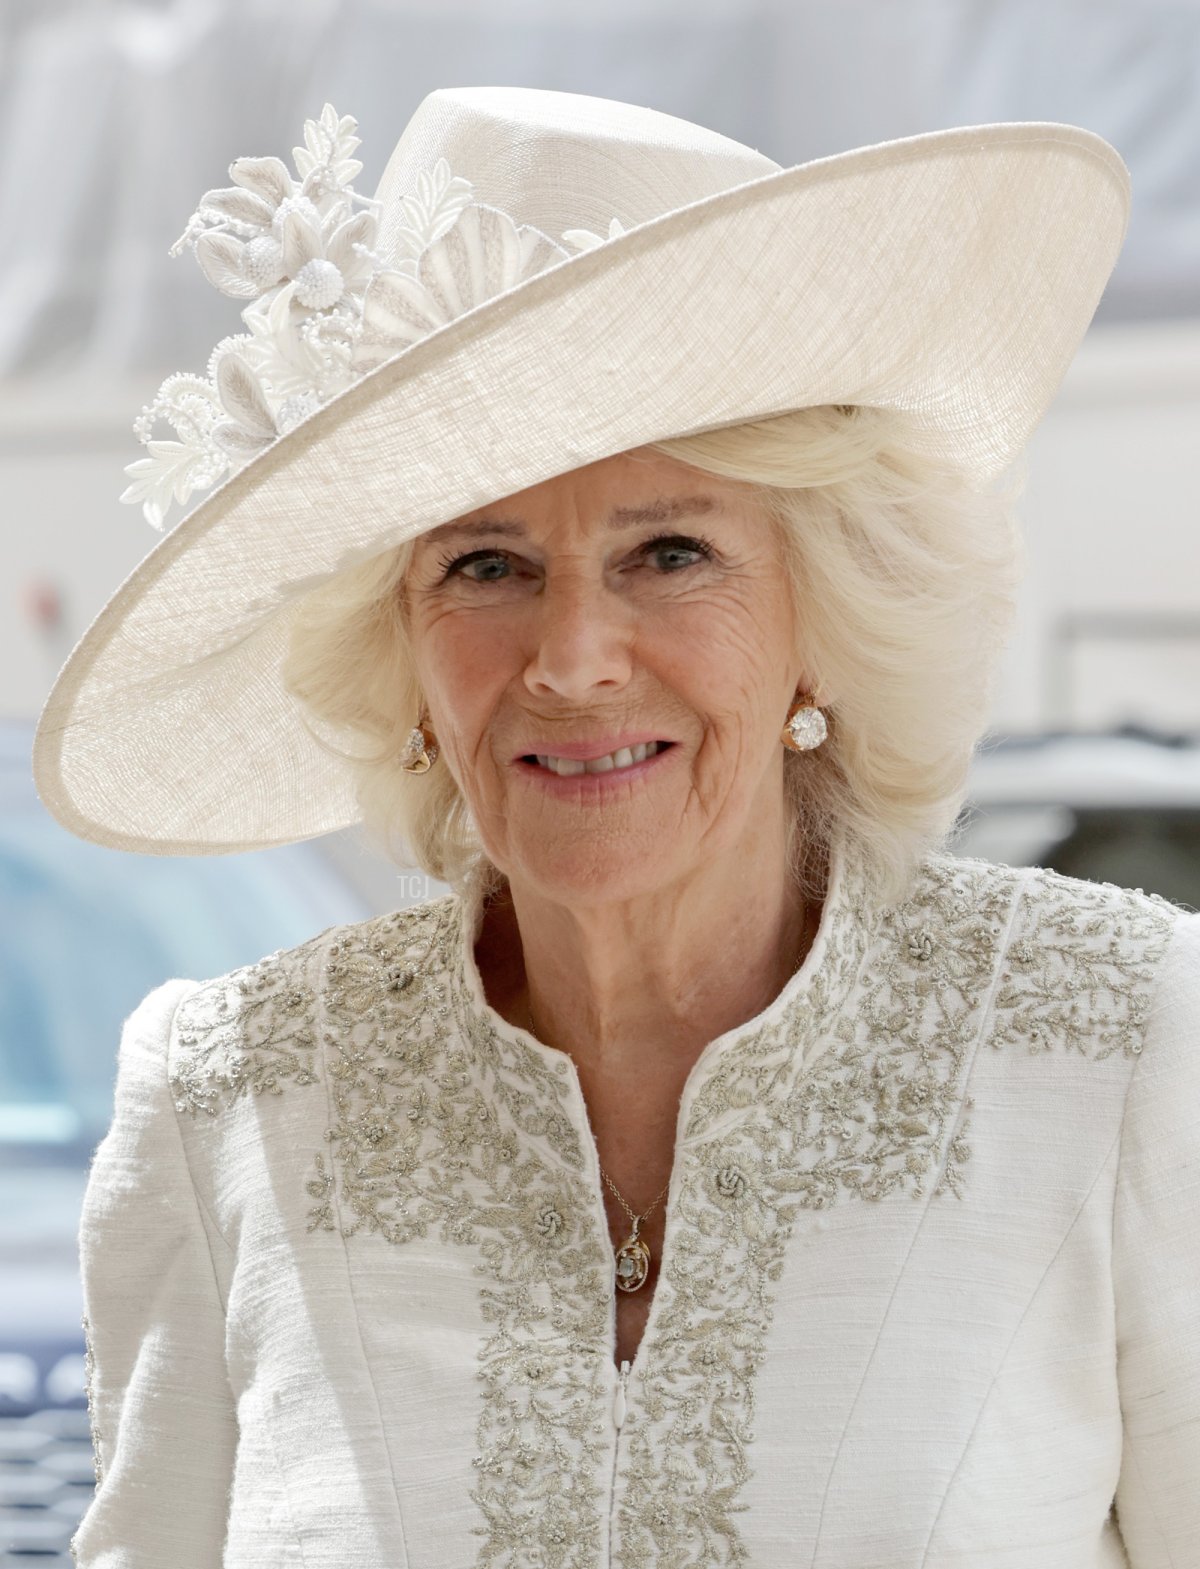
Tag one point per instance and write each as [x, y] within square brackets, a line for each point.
[625, 757]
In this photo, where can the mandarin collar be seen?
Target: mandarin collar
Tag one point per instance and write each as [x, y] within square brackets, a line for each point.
[735, 1070]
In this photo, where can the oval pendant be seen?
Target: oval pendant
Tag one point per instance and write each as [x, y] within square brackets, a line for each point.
[633, 1264]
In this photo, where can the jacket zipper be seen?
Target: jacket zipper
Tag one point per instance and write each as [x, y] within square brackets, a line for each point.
[618, 1421]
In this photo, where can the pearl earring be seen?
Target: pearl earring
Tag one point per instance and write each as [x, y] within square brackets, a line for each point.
[805, 728]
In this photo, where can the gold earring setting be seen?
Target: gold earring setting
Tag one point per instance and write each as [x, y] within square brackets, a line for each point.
[420, 751]
[805, 728]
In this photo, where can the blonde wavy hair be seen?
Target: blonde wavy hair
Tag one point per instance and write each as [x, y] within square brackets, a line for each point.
[904, 572]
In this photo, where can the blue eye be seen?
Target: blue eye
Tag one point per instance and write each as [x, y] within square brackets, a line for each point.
[450, 565]
[679, 542]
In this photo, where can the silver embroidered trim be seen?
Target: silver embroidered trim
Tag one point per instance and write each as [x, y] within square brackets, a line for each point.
[854, 1092]
[881, 1111]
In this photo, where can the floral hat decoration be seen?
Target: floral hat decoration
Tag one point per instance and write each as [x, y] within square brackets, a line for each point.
[541, 280]
[326, 307]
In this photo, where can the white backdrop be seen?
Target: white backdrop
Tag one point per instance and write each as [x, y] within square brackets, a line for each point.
[116, 115]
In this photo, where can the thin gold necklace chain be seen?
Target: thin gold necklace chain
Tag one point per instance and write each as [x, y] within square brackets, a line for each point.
[637, 1221]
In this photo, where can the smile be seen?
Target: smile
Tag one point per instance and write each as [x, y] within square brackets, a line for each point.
[579, 780]
[611, 762]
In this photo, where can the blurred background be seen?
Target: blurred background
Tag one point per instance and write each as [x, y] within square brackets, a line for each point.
[117, 114]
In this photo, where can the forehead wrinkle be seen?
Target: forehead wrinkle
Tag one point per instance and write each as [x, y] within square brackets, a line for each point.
[663, 509]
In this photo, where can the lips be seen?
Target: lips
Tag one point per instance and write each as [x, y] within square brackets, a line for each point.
[583, 749]
[580, 784]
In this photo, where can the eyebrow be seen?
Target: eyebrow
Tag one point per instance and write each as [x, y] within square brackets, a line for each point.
[663, 509]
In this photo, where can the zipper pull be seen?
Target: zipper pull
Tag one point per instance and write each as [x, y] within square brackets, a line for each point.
[619, 1402]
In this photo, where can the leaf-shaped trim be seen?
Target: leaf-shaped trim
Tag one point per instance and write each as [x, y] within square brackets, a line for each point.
[268, 177]
[243, 397]
[220, 258]
[240, 444]
[328, 143]
[239, 206]
[358, 230]
[172, 471]
[586, 240]
[432, 209]
[301, 242]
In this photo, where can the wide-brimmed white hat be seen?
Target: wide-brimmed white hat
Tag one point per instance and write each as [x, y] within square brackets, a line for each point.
[542, 280]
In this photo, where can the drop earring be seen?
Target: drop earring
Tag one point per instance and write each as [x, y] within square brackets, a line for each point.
[805, 728]
[420, 750]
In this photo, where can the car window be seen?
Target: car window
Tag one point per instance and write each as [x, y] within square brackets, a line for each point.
[86, 932]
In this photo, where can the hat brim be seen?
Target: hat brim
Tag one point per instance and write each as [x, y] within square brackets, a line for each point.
[951, 275]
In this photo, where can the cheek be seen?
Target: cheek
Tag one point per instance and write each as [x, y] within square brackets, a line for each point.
[732, 664]
[455, 652]
[461, 664]
[734, 652]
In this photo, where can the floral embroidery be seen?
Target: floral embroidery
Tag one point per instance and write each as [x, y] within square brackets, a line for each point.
[1079, 974]
[252, 1029]
[730, 1182]
[439, 1123]
[483, 1149]
[880, 1110]
[920, 946]
[748, 1076]
[854, 1090]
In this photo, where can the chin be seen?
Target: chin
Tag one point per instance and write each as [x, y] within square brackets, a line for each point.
[585, 875]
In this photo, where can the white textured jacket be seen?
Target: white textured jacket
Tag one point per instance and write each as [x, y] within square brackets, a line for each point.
[930, 1290]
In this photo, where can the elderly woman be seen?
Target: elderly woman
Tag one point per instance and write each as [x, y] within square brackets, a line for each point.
[722, 1172]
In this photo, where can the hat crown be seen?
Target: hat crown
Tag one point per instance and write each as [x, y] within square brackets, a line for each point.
[562, 161]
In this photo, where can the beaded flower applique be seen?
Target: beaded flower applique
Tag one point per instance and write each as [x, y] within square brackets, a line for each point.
[325, 307]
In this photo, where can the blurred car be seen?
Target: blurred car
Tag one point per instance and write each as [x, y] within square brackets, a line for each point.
[85, 934]
[1120, 806]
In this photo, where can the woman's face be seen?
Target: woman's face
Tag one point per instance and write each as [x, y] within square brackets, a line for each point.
[633, 600]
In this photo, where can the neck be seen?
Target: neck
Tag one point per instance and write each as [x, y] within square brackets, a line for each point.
[676, 966]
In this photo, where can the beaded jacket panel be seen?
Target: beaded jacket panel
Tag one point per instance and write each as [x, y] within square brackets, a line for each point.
[850, 1087]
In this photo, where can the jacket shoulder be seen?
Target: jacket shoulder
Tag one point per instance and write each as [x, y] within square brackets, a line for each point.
[1040, 886]
[257, 1029]
[1078, 963]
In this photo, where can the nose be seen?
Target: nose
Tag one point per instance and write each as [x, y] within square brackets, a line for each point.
[581, 639]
